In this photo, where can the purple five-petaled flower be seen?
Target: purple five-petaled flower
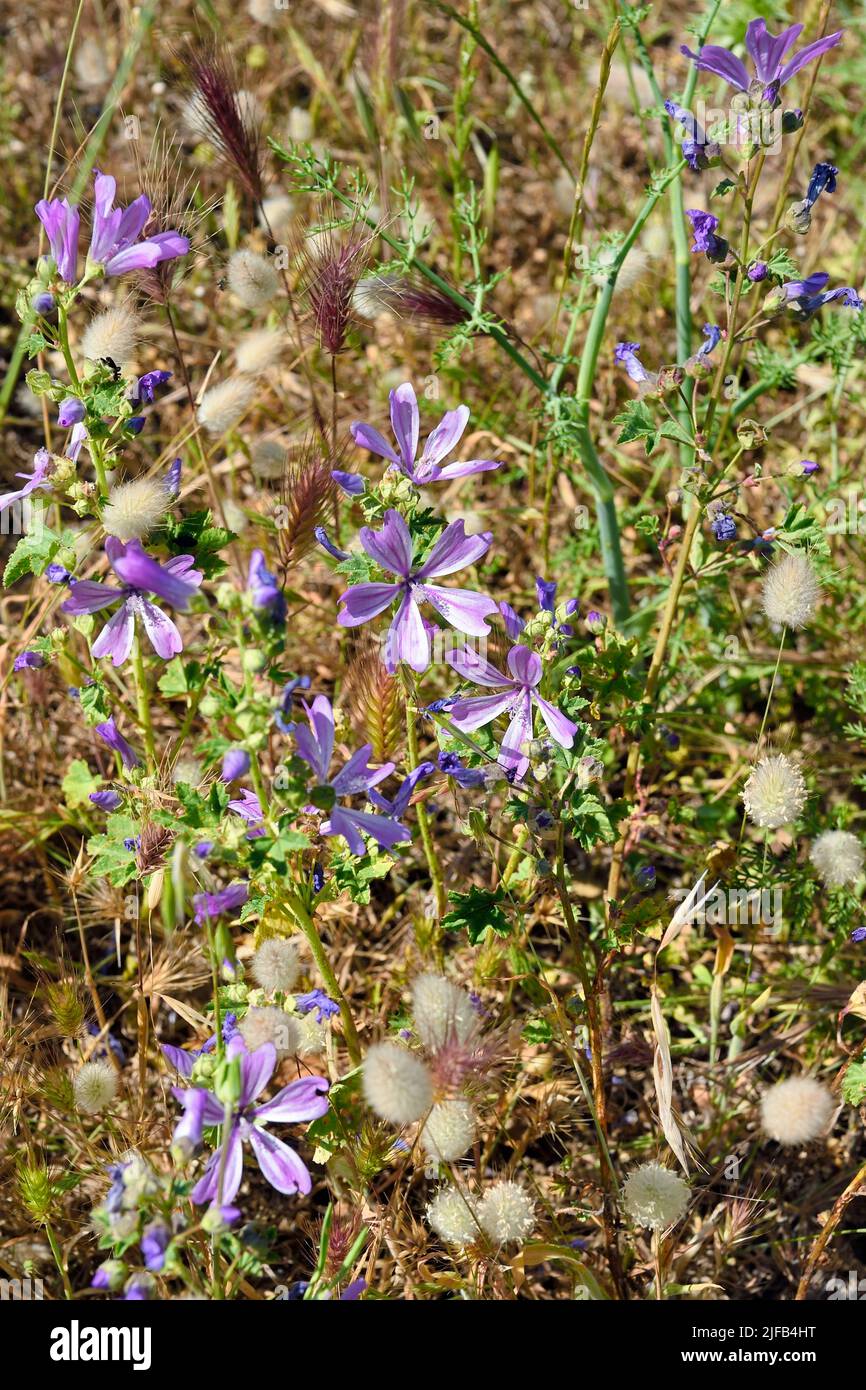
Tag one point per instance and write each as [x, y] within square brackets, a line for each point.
[316, 746]
[280, 1165]
[408, 639]
[516, 700]
[175, 582]
[114, 240]
[766, 52]
[405, 422]
[264, 589]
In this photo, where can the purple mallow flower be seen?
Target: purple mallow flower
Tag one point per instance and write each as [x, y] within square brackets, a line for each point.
[62, 222]
[766, 52]
[316, 746]
[144, 390]
[697, 150]
[210, 905]
[153, 1244]
[299, 1101]
[37, 479]
[114, 240]
[405, 423]
[317, 1000]
[111, 735]
[408, 638]
[704, 226]
[758, 270]
[809, 295]
[516, 700]
[858, 934]
[713, 336]
[175, 582]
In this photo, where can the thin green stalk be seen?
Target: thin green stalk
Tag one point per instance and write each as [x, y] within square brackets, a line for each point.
[58, 1260]
[143, 703]
[431, 854]
[308, 927]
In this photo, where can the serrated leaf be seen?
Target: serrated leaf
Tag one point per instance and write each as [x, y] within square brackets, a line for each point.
[78, 783]
[477, 912]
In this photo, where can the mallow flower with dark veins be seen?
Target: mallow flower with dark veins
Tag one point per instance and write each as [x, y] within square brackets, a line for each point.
[408, 638]
[140, 575]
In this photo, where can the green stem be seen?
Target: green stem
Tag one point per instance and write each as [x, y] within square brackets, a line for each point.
[433, 864]
[308, 927]
[58, 1260]
[143, 703]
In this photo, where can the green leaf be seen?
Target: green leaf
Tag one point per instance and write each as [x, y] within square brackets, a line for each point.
[78, 783]
[854, 1083]
[723, 188]
[354, 876]
[478, 912]
[637, 423]
[34, 552]
[111, 858]
[94, 703]
[173, 680]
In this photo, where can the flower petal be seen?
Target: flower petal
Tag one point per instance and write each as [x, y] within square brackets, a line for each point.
[463, 470]
[561, 728]
[392, 546]
[89, 595]
[280, 1165]
[524, 665]
[404, 422]
[365, 601]
[453, 551]
[301, 1100]
[207, 1188]
[445, 437]
[722, 62]
[407, 638]
[115, 639]
[462, 608]
[367, 438]
[257, 1068]
[472, 667]
[164, 636]
[479, 710]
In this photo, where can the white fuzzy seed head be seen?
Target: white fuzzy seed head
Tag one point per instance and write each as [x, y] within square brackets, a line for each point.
[268, 457]
[187, 770]
[270, 1025]
[94, 1087]
[654, 1196]
[253, 279]
[838, 857]
[223, 405]
[275, 965]
[775, 792]
[258, 352]
[442, 1011]
[113, 333]
[633, 270]
[791, 591]
[452, 1216]
[506, 1212]
[397, 1084]
[797, 1110]
[449, 1131]
[135, 508]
